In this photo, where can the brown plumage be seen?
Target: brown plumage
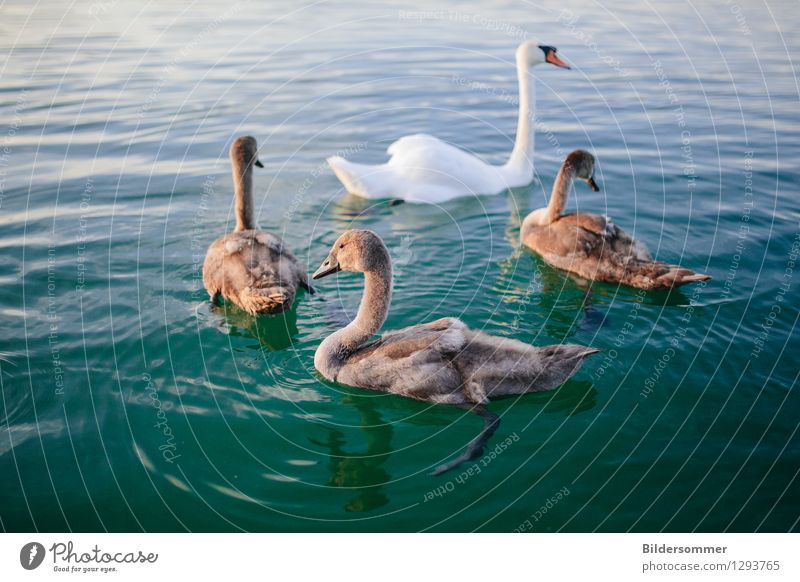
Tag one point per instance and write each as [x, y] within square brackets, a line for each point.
[250, 267]
[591, 245]
[442, 361]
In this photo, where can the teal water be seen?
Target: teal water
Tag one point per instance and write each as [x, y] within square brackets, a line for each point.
[128, 404]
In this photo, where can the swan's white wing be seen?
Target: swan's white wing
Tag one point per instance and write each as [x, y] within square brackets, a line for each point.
[429, 165]
[366, 180]
[421, 168]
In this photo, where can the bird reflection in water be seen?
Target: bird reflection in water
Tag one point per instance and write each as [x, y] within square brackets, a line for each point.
[363, 472]
[273, 332]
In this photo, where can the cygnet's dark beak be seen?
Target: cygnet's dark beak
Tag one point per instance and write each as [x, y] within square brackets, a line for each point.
[593, 185]
[259, 164]
[328, 266]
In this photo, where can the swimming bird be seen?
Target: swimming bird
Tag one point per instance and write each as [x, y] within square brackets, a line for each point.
[423, 168]
[443, 361]
[591, 245]
[250, 267]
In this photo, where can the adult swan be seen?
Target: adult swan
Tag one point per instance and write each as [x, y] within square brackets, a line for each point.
[423, 168]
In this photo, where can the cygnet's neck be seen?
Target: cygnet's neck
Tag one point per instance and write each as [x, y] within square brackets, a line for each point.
[373, 309]
[519, 166]
[561, 188]
[243, 188]
[372, 312]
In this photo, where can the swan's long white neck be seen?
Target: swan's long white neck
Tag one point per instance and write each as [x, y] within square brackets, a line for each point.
[520, 163]
[243, 188]
[372, 312]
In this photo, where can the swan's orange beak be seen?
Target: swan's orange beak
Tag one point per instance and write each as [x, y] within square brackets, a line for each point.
[552, 58]
[328, 267]
[593, 185]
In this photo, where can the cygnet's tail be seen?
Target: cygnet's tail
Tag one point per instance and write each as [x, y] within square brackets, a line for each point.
[656, 275]
[269, 300]
[500, 368]
[550, 367]
[367, 181]
[677, 276]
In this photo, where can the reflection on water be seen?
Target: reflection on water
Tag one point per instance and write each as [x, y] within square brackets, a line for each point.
[362, 470]
[579, 397]
[273, 332]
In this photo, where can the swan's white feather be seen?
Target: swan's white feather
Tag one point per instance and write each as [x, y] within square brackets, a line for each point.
[422, 168]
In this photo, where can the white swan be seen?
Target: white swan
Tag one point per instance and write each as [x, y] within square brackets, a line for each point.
[443, 361]
[423, 168]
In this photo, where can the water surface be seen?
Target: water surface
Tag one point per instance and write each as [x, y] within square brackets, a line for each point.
[129, 404]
